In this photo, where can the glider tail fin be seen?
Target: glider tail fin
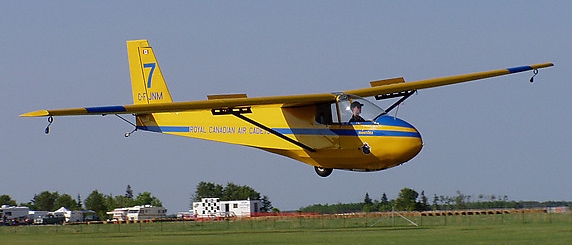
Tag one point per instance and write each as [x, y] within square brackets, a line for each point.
[147, 82]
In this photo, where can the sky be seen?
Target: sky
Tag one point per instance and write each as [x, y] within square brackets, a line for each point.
[499, 136]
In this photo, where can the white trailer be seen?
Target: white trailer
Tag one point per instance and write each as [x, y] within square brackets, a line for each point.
[146, 212]
[118, 214]
[10, 212]
[72, 216]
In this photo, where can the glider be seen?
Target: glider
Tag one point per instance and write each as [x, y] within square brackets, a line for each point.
[339, 130]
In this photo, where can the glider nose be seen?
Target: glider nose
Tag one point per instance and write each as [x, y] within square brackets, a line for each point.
[414, 143]
[415, 146]
[407, 141]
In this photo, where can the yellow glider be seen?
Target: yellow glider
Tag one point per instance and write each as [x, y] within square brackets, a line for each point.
[328, 131]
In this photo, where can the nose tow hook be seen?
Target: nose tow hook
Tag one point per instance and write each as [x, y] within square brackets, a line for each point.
[365, 148]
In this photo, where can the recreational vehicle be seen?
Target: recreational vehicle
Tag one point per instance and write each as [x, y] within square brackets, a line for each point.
[146, 212]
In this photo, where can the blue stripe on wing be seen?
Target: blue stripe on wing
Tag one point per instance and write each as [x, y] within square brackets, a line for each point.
[106, 109]
[519, 69]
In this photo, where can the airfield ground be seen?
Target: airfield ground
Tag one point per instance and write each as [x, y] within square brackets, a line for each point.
[523, 228]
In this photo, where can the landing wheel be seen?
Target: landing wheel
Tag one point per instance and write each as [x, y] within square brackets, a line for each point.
[323, 172]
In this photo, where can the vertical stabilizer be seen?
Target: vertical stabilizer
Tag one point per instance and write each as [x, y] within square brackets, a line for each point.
[147, 82]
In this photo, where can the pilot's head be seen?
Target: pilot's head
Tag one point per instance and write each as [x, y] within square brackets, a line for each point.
[355, 104]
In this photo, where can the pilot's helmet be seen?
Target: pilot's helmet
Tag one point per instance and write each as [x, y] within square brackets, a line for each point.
[356, 103]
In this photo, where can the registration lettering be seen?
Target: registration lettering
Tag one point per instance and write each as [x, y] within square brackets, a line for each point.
[142, 96]
[156, 96]
[152, 96]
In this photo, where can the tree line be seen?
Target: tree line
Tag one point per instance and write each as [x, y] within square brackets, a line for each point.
[410, 200]
[102, 203]
[96, 201]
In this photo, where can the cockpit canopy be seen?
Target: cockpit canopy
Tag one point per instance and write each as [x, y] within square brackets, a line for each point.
[340, 112]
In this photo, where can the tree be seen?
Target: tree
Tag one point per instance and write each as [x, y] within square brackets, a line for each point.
[96, 202]
[146, 198]
[31, 204]
[7, 200]
[460, 201]
[406, 201]
[367, 200]
[239, 192]
[123, 201]
[206, 190]
[384, 204]
[79, 204]
[267, 205]
[129, 192]
[230, 192]
[65, 200]
[423, 204]
[46, 201]
[367, 203]
[110, 203]
[435, 205]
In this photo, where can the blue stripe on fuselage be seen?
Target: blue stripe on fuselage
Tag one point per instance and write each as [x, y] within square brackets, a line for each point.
[305, 131]
[165, 129]
[350, 132]
[346, 132]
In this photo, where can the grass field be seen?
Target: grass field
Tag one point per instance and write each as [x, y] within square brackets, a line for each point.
[484, 229]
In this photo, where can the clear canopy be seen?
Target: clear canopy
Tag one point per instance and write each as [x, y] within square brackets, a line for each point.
[369, 111]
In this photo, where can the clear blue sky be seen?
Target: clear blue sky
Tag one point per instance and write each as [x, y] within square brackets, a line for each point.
[501, 136]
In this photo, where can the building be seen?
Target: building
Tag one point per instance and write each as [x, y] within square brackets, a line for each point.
[214, 208]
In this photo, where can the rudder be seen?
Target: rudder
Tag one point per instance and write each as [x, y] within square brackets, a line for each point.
[147, 82]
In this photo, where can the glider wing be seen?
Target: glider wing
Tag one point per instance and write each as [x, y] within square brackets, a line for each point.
[289, 100]
[442, 81]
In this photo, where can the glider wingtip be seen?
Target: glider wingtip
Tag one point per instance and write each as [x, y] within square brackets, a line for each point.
[39, 113]
[543, 65]
[529, 67]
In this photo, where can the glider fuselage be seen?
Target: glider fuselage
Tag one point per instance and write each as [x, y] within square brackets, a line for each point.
[389, 141]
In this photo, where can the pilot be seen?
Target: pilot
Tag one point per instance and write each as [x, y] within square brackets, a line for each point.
[356, 110]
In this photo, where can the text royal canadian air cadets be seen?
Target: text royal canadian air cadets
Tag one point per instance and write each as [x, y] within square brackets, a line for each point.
[227, 130]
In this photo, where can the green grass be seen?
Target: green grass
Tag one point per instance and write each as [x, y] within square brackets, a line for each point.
[487, 229]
